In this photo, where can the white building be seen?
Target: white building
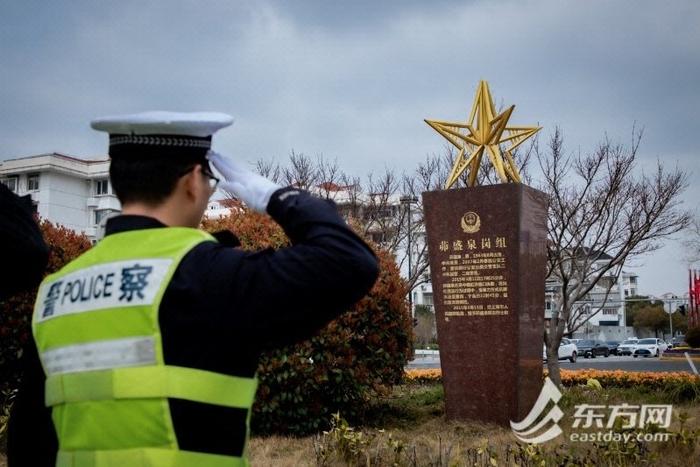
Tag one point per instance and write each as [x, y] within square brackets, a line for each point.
[602, 311]
[601, 314]
[66, 190]
[423, 294]
[216, 210]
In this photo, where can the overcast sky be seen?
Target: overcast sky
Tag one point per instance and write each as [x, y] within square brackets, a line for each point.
[354, 80]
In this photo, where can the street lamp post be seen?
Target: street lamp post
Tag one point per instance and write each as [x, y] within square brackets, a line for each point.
[673, 304]
[670, 316]
[407, 201]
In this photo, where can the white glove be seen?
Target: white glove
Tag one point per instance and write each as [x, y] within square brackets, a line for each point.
[251, 188]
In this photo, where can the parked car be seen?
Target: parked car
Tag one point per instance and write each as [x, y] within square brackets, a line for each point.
[627, 347]
[592, 348]
[567, 351]
[678, 341]
[649, 347]
[613, 346]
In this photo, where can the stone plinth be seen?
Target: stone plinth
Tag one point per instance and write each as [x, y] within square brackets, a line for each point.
[487, 248]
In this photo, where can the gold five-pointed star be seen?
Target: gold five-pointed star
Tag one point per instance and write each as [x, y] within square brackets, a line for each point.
[484, 131]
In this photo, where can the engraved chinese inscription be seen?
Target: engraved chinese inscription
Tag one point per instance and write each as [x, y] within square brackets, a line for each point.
[473, 276]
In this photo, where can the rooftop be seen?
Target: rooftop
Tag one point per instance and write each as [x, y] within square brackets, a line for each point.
[55, 162]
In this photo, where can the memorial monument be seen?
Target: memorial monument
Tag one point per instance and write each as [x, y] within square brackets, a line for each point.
[487, 248]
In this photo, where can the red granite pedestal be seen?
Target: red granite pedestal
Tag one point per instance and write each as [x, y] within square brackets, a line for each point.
[487, 248]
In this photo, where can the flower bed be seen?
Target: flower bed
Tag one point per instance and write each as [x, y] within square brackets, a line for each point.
[627, 379]
[607, 378]
[679, 352]
[423, 375]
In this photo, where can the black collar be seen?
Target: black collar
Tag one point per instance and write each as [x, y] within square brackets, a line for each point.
[126, 223]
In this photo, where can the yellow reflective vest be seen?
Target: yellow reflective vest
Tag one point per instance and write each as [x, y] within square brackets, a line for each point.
[96, 327]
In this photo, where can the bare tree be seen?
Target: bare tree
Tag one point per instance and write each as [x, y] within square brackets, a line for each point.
[269, 169]
[373, 205]
[601, 214]
[329, 176]
[692, 241]
[431, 174]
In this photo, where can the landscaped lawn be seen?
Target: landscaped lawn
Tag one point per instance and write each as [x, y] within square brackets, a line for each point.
[408, 428]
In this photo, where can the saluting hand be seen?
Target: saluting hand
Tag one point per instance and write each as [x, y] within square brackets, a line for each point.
[253, 189]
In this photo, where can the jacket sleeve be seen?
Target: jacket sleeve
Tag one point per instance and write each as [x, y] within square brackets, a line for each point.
[286, 295]
[21, 244]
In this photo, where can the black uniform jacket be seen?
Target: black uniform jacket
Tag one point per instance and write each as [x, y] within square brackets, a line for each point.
[221, 309]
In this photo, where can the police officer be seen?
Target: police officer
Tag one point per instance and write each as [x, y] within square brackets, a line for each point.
[147, 345]
[22, 249]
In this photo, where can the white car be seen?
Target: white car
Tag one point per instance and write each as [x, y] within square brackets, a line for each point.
[567, 351]
[649, 347]
[627, 347]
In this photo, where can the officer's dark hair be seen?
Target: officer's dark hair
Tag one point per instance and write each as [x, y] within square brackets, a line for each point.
[147, 180]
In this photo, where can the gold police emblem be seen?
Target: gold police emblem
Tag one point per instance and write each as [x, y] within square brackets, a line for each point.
[470, 222]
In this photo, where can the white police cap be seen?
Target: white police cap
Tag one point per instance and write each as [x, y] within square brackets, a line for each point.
[158, 131]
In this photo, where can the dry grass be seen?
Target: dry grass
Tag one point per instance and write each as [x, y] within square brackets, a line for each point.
[282, 451]
[441, 443]
[428, 441]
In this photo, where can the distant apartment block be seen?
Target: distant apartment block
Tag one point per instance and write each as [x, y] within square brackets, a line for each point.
[601, 310]
[66, 190]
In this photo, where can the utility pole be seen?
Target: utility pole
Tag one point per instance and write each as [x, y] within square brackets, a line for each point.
[673, 304]
[407, 201]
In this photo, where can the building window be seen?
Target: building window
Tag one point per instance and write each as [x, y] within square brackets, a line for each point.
[101, 214]
[10, 183]
[102, 187]
[32, 182]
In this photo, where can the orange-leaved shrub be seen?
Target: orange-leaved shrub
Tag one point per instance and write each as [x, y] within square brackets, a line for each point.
[16, 312]
[361, 353]
[607, 378]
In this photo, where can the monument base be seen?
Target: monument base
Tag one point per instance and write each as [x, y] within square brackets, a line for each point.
[487, 248]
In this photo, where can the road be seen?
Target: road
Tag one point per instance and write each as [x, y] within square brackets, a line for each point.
[599, 363]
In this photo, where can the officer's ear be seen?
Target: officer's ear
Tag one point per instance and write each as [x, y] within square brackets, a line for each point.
[189, 183]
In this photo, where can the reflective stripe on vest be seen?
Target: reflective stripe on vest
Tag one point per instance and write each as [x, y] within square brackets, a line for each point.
[97, 331]
[146, 457]
[151, 381]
